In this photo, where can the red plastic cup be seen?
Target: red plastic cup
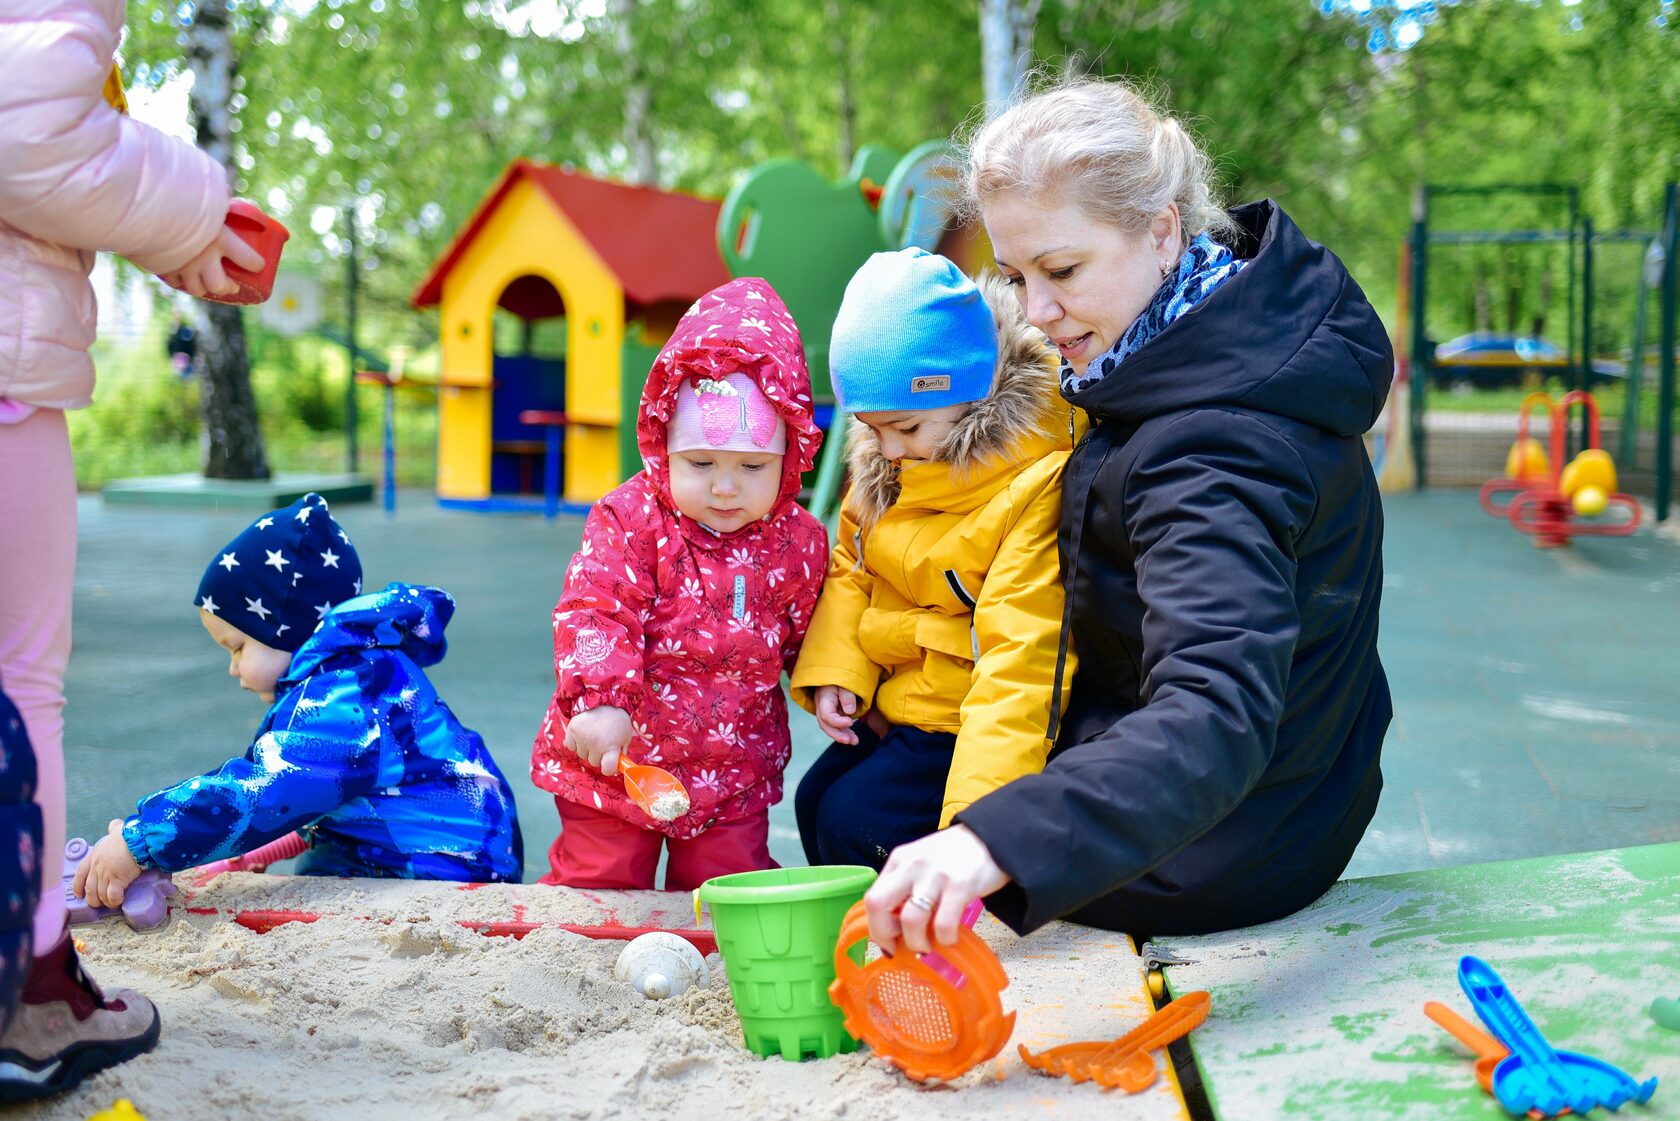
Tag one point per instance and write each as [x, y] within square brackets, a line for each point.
[264, 234]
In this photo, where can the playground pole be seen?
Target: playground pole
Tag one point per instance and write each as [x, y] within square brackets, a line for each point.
[1650, 276]
[350, 340]
[1569, 317]
[1586, 322]
[1420, 339]
[1665, 393]
[830, 468]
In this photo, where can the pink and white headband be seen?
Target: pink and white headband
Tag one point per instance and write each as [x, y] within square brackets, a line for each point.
[728, 414]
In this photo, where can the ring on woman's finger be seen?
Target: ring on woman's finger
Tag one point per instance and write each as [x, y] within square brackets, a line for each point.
[921, 901]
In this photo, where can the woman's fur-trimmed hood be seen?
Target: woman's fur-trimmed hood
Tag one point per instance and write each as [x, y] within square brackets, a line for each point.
[1023, 403]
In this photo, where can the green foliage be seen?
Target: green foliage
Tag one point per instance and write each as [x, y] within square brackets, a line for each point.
[1498, 91]
[145, 419]
[138, 427]
[407, 110]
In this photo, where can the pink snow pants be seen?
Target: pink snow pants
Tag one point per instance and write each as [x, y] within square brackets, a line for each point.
[37, 575]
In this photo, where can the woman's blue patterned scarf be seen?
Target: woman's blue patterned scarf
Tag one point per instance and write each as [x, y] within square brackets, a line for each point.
[1204, 266]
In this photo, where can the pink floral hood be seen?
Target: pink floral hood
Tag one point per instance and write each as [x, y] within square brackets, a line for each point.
[741, 327]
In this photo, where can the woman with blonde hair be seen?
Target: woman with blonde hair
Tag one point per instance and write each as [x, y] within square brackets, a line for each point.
[1221, 546]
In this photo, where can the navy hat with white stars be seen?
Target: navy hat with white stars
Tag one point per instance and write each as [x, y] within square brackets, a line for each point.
[280, 577]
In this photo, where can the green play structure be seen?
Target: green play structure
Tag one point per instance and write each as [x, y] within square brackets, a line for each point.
[807, 235]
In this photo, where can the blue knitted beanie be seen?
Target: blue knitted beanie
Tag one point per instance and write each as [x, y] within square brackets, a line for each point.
[913, 333]
[278, 578]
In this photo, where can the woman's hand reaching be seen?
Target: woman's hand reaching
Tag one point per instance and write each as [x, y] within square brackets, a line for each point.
[920, 895]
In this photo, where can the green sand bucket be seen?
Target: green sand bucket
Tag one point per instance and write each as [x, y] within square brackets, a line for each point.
[776, 930]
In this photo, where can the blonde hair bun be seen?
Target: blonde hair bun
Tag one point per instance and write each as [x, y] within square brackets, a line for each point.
[1101, 143]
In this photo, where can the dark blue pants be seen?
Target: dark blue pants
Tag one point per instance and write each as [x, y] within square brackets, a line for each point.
[20, 856]
[856, 804]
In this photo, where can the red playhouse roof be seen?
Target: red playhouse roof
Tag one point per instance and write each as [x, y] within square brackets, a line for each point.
[660, 245]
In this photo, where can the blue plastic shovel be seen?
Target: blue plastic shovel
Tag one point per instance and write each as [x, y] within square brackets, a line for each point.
[1535, 1076]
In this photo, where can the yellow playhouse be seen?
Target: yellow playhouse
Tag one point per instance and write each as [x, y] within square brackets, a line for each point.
[619, 265]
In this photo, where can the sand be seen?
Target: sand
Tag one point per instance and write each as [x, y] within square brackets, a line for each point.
[668, 806]
[403, 1012]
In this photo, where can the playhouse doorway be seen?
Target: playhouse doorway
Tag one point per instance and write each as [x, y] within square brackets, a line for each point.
[528, 372]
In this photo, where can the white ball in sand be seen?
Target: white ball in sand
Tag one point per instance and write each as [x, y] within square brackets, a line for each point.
[660, 964]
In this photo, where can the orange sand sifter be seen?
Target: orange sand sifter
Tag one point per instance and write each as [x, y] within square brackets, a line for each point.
[915, 1018]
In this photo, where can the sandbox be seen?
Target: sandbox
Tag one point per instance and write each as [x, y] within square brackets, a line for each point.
[417, 1001]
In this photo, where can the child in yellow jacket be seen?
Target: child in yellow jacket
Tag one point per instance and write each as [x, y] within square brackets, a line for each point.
[931, 658]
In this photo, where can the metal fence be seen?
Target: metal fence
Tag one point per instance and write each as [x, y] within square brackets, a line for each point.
[1461, 430]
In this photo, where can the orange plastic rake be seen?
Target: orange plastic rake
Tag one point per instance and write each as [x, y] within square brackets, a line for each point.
[1128, 1062]
[913, 1016]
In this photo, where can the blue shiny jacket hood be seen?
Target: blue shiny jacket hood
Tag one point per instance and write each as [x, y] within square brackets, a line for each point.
[360, 753]
[408, 618]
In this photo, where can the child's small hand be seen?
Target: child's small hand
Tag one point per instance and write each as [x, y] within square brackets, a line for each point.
[203, 276]
[598, 735]
[105, 873]
[836, 709]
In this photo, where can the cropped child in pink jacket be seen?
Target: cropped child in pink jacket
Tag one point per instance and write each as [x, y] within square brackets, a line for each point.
[76, 176]
[687, 600]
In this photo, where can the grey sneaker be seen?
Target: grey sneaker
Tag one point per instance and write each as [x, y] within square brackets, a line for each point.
[65, 1029]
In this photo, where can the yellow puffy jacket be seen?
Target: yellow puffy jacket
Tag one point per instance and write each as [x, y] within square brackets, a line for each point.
[943, 602]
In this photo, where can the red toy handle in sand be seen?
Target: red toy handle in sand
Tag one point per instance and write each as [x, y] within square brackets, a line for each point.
[281, 848]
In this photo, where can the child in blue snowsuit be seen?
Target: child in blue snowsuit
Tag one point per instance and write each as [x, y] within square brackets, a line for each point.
[357, 750]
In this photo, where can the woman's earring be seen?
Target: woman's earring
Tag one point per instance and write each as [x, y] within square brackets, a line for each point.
[1166, 267]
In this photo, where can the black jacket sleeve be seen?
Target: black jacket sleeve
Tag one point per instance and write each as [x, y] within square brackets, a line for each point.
[1210, 512]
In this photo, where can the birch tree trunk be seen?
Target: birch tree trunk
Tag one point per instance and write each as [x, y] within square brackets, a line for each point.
[834, 16]
[232, 435]
[638, 98]
[1006, 39]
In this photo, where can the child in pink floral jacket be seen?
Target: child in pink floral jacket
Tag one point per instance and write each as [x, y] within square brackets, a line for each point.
[687, 600]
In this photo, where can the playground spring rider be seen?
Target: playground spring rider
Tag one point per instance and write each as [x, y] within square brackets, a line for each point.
[1547, 493]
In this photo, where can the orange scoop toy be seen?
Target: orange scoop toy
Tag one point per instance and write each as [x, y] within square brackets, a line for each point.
[914, 1017]
[658, 792]
[1489, 1051]
[1128, 1062]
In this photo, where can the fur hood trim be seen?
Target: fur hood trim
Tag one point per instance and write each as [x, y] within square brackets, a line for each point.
[1023, 403]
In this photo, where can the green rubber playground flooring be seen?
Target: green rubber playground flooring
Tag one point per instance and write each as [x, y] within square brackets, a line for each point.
[1537, 692]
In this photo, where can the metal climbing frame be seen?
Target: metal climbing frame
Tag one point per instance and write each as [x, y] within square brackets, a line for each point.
[1665, 392]
[1579, 232]
[1422, 238]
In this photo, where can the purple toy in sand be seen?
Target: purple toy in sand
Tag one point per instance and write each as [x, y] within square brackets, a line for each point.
[144, 905]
